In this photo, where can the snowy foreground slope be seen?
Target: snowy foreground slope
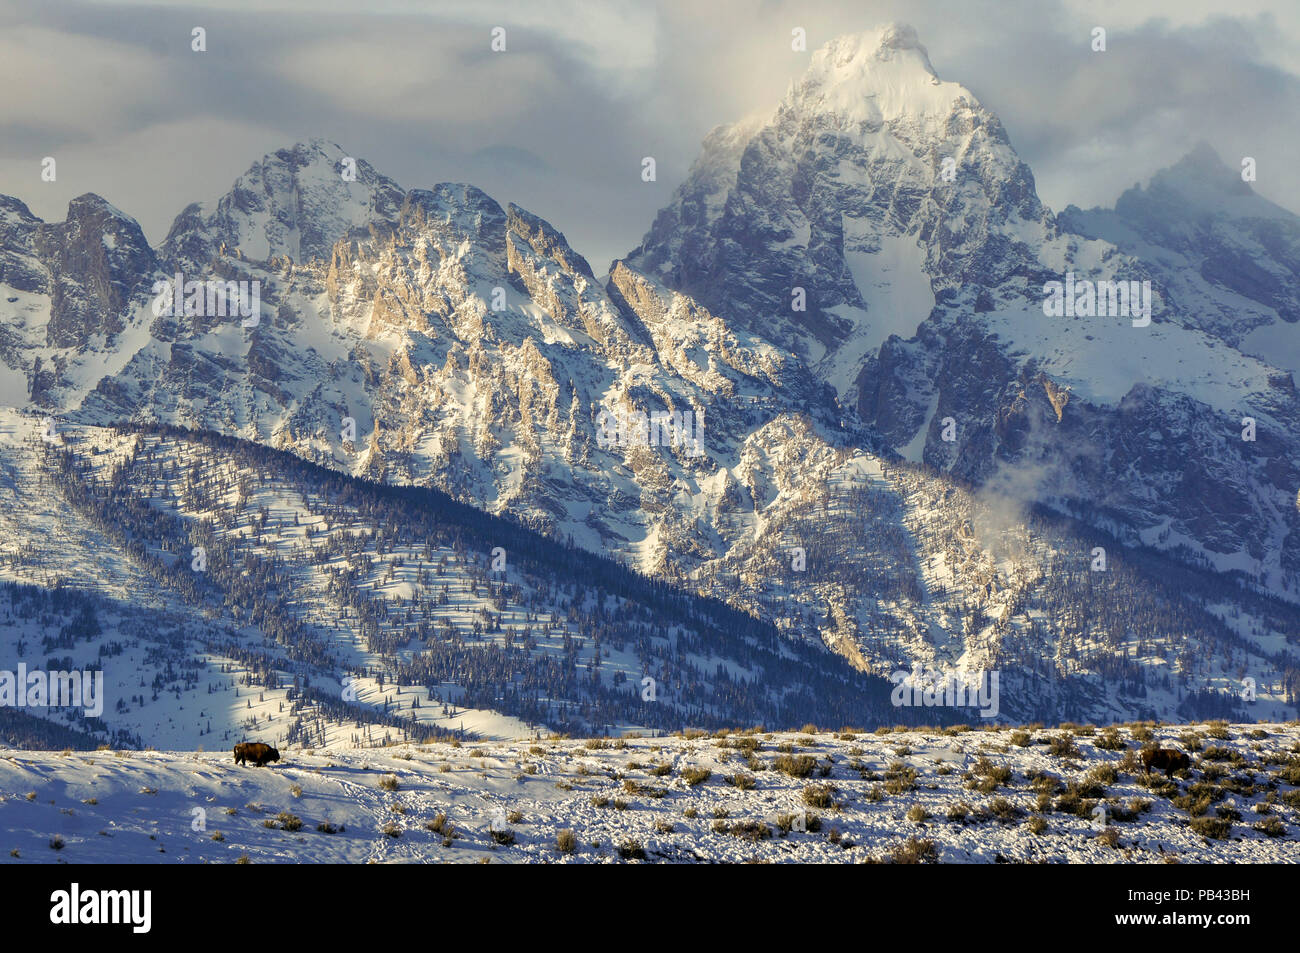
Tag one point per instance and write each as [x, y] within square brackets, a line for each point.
[1006, 795]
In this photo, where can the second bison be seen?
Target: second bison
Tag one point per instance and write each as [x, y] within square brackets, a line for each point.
[1170, 759]
[255, 752]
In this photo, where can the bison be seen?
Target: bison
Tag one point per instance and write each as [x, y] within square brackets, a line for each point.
[1171, 759]
[255, 752]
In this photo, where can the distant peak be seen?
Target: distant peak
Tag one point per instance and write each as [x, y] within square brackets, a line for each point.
[1203, 157]
[1202, 167]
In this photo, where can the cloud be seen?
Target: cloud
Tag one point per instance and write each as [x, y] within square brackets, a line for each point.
[587, 88]
[72, 87]
[1091, 124]
[414, 77]
[166, 159]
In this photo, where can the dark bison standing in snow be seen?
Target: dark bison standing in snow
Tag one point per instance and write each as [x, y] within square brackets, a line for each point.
[1171, 759]
[255, 752]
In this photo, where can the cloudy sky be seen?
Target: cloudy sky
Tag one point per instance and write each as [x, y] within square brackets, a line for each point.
[560, 121]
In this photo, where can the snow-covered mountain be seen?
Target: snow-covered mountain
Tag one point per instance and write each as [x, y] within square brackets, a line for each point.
[840, 193]
[891, 205]
[74, 296]
[295, 204]
[794, 463]
[226, 590]
[1228, 259]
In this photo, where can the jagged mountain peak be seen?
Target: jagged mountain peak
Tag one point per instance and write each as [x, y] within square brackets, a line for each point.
[468, 209]
[857, 52]
[89, 204]
[877, 75]
[1186, 195]
[12, 208]
[1201, 173]
[19, 267]
[312, 150]
[1218, 233]
[294, 203]
[548, 241]
[1198, 185]
[99, 263]
[316, 155]
[829, 226]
